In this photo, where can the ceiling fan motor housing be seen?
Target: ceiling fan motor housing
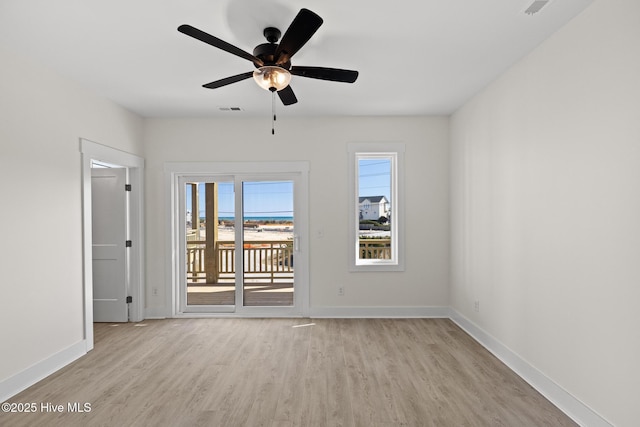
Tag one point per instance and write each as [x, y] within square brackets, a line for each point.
[266, 52]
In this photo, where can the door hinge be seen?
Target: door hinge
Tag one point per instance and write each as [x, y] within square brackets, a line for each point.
[127, 187]
[128, 243]
[129, 300]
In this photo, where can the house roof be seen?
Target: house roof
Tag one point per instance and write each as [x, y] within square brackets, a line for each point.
[372, 199]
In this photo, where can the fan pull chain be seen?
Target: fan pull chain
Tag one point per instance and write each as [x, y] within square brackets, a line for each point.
[273, 112]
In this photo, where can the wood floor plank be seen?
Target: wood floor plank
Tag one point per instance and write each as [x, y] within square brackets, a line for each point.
[266, 372]
[290, 399]
[362, 364]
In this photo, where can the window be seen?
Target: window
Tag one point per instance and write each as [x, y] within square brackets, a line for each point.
[376, 226]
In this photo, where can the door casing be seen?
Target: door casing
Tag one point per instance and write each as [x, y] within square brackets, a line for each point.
[92, 151]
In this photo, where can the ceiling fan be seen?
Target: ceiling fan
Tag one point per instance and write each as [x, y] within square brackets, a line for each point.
[273, 60]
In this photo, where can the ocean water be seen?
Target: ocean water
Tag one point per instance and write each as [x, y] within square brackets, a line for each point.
[257, 218]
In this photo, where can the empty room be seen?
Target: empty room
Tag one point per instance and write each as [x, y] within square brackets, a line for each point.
[244, 213]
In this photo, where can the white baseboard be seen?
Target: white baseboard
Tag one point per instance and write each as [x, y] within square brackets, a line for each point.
[22, 380]
[333, 312]
[155, 313]
[382, 312]
[567, 403]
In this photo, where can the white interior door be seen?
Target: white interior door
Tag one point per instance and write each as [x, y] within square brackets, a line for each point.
[109, 233]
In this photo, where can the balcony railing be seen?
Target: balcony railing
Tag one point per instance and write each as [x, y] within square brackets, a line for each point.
[375, 249]
[268, 261]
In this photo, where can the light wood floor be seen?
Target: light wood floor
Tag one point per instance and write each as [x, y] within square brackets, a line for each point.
[264, 372]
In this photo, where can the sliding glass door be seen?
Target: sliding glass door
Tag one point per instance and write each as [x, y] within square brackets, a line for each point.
[268, 238]
[209, 282]
[239, 244]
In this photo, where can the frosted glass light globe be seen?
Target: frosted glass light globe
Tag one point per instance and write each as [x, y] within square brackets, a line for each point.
[271, 77]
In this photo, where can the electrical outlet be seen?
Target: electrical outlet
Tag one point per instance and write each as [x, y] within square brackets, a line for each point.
[154, 292]
[476, 306]
[341, 290]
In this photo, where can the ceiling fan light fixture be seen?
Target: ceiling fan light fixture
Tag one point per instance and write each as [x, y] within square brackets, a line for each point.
[272, 77]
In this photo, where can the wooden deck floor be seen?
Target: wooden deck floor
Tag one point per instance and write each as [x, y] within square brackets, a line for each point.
[258, 294]
[268, 372]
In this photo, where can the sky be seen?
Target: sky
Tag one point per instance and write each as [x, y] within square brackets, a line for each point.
[374, 177]
[275, 198]
[261, 199]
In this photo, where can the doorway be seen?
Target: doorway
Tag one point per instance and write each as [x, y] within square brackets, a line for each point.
[241, 240]
[94, 152]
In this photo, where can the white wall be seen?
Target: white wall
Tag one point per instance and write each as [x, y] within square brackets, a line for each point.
[322, 142]
[42, 119]
[546, 209]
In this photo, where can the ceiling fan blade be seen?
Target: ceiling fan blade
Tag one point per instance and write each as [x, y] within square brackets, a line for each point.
[220, 44]
[287, 96]
[322, 73]
[304, 25]
[229, 80]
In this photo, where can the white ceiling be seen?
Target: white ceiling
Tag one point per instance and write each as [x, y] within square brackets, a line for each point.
[415, 57]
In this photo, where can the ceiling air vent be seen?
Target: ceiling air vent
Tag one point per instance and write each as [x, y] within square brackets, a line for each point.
[536, 6]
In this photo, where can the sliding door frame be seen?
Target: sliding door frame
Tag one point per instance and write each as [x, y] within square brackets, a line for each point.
[175, 175]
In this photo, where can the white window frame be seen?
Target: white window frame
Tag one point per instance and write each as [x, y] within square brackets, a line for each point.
[395, 152]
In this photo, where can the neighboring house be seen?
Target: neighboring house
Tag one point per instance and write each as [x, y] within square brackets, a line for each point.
[373, 207]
